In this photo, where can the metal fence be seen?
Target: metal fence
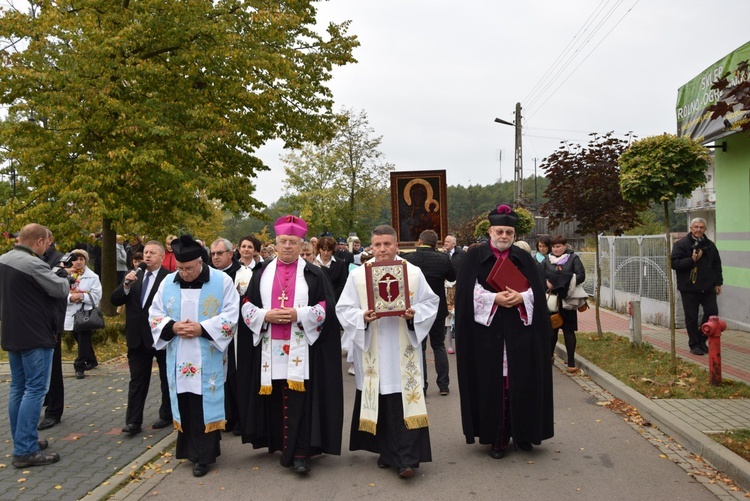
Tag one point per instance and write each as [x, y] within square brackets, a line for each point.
[632, 268]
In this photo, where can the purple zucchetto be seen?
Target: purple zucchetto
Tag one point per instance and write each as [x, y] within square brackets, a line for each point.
[503, 215]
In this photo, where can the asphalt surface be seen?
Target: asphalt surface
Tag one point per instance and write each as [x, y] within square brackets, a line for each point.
[596, 453]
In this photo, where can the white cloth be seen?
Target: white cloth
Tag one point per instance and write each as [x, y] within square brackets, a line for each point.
[242, 277]
[351, 315]
[90, 284]
[188, 349]
[309, 317]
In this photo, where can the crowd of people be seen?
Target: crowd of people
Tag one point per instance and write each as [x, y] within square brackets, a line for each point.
[248, 337]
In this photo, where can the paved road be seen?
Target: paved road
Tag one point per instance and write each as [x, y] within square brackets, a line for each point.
[595, 454]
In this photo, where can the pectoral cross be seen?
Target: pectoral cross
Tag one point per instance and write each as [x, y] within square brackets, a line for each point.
[283, 297]
[297, 361]
[265, 367]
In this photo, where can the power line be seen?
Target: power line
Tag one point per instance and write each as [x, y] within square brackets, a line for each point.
[585, 58]
[558, 73]
[566, 49]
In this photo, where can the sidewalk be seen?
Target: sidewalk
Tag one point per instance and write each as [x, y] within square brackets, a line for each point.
[92, 449]
[686, 420]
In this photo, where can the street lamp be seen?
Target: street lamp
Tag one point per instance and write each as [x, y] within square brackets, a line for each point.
[518, 163]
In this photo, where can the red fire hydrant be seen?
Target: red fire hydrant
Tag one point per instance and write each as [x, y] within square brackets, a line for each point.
[713, 329]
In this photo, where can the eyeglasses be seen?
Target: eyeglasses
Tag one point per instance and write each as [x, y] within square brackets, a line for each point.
[188, 269]
[219, 253]
[288, 242]
[499, 232]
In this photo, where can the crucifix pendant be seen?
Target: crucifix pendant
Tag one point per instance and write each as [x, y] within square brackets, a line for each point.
[283, 297]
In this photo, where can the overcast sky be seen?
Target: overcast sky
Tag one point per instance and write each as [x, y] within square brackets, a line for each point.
[433, 75]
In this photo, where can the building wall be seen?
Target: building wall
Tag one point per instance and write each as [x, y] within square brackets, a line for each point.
[733, 229]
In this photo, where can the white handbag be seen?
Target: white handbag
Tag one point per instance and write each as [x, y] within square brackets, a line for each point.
[552, 302]
[576, 296]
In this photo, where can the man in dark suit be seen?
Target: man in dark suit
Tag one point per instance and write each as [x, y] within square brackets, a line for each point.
[454, 251]
[437, 268]
[137, 291]
[55, 400]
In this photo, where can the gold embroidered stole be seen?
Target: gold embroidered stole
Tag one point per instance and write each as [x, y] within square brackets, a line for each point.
[412, 397]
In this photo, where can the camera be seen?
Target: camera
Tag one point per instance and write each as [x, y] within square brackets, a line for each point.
[67, 260]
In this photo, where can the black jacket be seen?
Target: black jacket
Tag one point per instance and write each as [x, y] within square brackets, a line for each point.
[708, 268]
[457, 257]
[30, 294]
[137, 329]
[480, 351]
[437, 268]
[324, 403]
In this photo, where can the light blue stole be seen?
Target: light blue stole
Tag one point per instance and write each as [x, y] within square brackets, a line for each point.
[213, 372]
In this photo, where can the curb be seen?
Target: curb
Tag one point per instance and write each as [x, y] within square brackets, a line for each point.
[111, 488]
[721, 458]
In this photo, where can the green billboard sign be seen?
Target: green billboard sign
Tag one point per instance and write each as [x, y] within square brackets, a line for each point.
[708, 106]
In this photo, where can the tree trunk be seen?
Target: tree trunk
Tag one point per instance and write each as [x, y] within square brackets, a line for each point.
[109, 267]
[598, 271]
[670, 285]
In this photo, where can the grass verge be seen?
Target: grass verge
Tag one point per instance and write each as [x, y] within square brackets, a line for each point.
[737, 441]
[649, 371]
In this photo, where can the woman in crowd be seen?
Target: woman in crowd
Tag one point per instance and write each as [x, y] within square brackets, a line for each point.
[85, 290]
[337, 271]
[307, 252]
[542, 248]
[560, 266]
[169, 261]
[122, 258]
[134, 245]
[247, 249]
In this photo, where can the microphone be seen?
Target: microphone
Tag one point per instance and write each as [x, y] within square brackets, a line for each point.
[138, 272]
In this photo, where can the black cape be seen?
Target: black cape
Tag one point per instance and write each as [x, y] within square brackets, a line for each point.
[479, 356]
[324, 389]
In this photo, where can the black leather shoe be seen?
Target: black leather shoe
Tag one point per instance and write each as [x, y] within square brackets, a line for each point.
[200, 469]
[132, 428]
[697, 351]
[80, 375]
[444, 391]
[405, 472]
[160, 423]
[381, 464]
[704, 347]
[47, 423]
[496, 454]
[43, 444]
[301, 465]
[524, 446]
[39, 458]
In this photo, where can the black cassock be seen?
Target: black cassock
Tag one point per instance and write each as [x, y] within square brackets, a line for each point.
[485, 395]
[314, 417]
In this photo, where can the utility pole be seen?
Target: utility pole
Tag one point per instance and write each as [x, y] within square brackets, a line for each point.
[518, 162]
[518, 177]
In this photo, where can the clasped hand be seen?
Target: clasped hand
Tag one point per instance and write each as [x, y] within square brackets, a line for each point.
[508, 298]
[187, 328]
[281, 315]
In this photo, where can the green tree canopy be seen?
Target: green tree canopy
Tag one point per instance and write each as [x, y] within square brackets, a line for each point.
[657, 169]
[341, 186]
[127, 112]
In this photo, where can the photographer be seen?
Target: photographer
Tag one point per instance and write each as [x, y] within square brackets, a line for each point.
[697, 265]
